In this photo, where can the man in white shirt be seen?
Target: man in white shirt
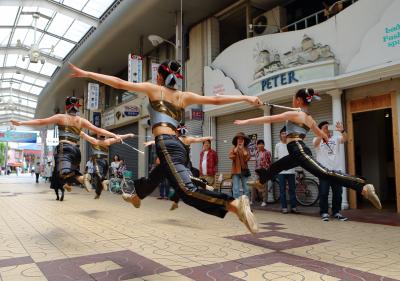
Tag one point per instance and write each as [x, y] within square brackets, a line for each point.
[328, 154]
[288, 176]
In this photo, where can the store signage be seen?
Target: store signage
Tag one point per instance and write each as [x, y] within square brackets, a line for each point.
[392, 36]
[108, 118]
[52, 137]
[278, 80]
[97, 119]
[135, 68]
[197, 114]
[154, 72]
[301, 73]
[12, 136]
[93, 96]
[131, 110]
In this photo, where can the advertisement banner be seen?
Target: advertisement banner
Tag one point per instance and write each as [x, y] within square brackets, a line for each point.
[135, 68]
[13, 136]
[108, 118]
[154, 72]
[129, 111]
[97, 119]
[93, 96]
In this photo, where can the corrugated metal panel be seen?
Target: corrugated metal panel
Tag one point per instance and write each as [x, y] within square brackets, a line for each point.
[128, 154]
[226, 130]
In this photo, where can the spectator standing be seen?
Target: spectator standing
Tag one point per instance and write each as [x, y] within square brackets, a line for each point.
[240, 155]
[263, 161]
[208, 163]
[48, 169]
[115, 165]
[328, 154]
[37, 171]
[288, 176]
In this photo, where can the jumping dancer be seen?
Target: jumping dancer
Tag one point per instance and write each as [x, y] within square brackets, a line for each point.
[100, 149]
[68, 155]
[298, 123]
[182, 132]
[167, 109]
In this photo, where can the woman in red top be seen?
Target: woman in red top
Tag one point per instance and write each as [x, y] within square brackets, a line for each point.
[208, 163]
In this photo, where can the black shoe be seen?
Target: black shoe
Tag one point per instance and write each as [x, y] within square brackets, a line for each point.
[57, 198]
[325, 217]
[97, 196]
[62, 198]
[294, 211]
[340, 217]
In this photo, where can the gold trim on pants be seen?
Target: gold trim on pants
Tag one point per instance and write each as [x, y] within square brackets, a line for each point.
[180, 182]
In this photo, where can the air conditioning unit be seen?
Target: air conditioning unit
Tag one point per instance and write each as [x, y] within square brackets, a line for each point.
[269, 22]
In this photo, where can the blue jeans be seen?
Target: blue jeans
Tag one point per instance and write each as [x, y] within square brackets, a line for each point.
[323, 197]
[290, 178]
[236, 179]
[164, 188]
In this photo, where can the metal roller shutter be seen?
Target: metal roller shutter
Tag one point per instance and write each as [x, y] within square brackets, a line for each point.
[128, 154]
[226, 130]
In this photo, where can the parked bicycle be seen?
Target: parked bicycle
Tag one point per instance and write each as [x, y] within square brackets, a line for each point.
[118, 185]
[307, 191]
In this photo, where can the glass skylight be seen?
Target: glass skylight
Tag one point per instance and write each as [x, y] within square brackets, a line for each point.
[56, 35]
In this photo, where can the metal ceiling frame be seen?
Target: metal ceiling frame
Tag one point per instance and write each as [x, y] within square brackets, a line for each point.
[56, 7]
[18, 93]
[26, 72]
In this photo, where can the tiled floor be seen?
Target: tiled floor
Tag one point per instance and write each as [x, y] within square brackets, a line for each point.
[107, 239]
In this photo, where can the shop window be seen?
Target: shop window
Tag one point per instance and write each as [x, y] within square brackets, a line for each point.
[233, 28]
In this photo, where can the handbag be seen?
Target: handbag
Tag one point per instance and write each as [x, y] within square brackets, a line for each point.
[245, 172]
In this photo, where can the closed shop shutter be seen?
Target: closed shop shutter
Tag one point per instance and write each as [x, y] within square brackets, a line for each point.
[128, 154]
[226, 130]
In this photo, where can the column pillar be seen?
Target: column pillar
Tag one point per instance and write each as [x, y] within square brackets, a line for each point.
[337, 116]
[268, 146]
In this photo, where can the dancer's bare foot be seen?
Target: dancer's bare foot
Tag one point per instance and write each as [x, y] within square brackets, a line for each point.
[67, 187]
[132, 198]
[369, 193]
[241, 207]
[174, 206]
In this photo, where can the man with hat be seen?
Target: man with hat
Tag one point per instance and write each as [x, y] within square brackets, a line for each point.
[240, 155]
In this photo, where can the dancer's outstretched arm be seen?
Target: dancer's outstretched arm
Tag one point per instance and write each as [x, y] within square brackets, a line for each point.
[189, 140]
[149, 88]
[267, 119]
[55, 119]
[99, 131]
[106, 142]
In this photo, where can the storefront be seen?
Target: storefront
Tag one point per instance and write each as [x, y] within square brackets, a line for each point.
[343, 60]
[125, 119]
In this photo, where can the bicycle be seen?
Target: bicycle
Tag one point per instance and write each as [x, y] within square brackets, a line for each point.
[118, 185]
[307, 191]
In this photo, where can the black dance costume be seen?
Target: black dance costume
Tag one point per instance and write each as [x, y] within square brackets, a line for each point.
[100, 166]
[300, 155]
[174, 164]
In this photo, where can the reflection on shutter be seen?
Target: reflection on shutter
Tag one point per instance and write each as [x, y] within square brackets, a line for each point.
[226, 130]
[128, 154]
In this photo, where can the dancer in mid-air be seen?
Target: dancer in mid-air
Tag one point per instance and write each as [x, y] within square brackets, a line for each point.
[100, 149]
[167, 109]
[187, 140]
[298, 123]
[68, 156]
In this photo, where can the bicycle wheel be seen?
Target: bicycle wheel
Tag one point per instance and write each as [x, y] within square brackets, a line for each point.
[276, 190]
[114, 185]
[307, 192]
